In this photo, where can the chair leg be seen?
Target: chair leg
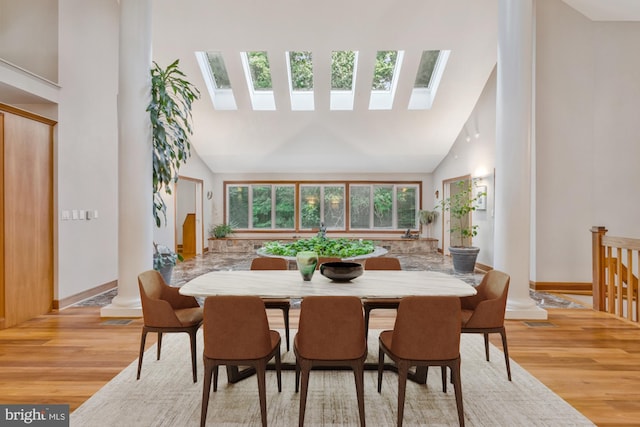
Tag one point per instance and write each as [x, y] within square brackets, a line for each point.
[261, 368]
[443, 373]
[457, 386]
[285, 314]
[303, 392]
[358, 372]
[143, 339]
[367, 312]
[279, 370]
[206, 388]
[159, 344]
[297, 376]
[192, 337]
[215, 378]
[403, 370]
[380, 369]
[486, 345]
[505, 349]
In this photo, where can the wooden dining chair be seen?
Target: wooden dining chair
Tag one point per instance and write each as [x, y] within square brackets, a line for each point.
[269, 263]
[330, 333]
[483, 313]
[165, 310]
[236, 332]
[426, 333]
[379, 263]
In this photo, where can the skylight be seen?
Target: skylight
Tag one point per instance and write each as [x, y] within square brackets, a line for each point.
[343, 78]
[217, 80]
[300, 71]
[430, 70]
[385, 79]
[258, 76]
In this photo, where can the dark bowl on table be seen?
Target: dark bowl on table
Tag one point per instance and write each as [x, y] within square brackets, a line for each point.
[341, 271]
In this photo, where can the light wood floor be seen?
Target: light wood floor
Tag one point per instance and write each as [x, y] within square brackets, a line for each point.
[590, 359]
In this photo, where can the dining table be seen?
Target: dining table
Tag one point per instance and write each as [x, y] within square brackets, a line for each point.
[289, 284]
[387, 284]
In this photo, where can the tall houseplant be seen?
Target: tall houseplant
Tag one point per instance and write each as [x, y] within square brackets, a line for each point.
[170, 113]
[460, 205]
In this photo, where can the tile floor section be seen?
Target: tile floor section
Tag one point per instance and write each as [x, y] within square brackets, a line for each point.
[187, 270]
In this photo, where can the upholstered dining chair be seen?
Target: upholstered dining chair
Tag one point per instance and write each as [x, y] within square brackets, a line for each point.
[426, 333]
[330, 333]
[483, 313]
[379, 263]
[165, 310]
[268, 263]
[236, 332]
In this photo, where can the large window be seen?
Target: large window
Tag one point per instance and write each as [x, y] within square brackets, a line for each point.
[261, 206]
[340, 206]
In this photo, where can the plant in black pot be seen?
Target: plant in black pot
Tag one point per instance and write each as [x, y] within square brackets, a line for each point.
[460, 205]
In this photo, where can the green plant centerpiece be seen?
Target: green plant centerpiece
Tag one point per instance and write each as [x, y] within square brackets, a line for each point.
[164, 259]
[460, 205]
[220, 231]
[170, 114]
[324, 247]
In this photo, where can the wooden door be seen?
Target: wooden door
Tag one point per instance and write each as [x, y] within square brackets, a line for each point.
[28, 216]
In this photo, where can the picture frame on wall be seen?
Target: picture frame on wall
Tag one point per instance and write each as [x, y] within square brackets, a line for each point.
[481, 194]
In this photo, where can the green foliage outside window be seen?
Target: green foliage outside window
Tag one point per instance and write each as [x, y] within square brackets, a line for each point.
[385, 66]
[260, 71]
[285, 207]
[261, 206]
[425, 70]
[342, 64]
[301, 70]
[219, 71]
[382, 207]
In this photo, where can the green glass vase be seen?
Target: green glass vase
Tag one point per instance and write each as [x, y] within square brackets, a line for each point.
[306, 261]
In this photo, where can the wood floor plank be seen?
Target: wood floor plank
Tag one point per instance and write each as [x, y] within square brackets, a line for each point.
[590, 359]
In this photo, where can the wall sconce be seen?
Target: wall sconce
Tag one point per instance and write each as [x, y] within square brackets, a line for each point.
[209, 195]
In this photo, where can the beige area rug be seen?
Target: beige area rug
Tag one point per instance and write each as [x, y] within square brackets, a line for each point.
[166, 395]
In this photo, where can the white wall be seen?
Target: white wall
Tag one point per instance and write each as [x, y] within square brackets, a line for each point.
[616, 128]
[588, 98]
[29, 35]
[86, 155]
[476, 158]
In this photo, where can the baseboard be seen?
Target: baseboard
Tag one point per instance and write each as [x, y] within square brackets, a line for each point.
[561, 286]
[65, 302]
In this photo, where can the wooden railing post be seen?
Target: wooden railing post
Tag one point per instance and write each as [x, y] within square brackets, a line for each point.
[598, 259]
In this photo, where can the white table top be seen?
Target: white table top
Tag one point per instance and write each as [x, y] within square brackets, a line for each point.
[289, 284]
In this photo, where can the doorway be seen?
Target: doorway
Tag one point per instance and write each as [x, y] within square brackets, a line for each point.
[189, 228]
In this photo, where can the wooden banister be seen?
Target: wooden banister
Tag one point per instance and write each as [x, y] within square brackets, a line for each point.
[615, 286]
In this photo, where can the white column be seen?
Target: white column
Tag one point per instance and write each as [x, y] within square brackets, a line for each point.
[513, 154]
[135, 217]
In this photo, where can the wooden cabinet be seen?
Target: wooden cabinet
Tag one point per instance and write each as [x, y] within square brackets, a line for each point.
[26, 216]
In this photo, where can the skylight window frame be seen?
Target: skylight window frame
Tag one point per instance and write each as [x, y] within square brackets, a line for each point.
[222, 99]
[383, 99]
[301, 100]
[422, 98]
[341, 99]
[261, 100]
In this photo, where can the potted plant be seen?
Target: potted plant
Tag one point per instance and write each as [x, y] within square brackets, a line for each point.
[427, 218]
[164, 259]
[220, 231]
[170, 115]
[460, 205]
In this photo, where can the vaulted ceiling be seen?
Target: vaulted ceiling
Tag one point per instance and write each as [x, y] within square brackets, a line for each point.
[323, 140]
